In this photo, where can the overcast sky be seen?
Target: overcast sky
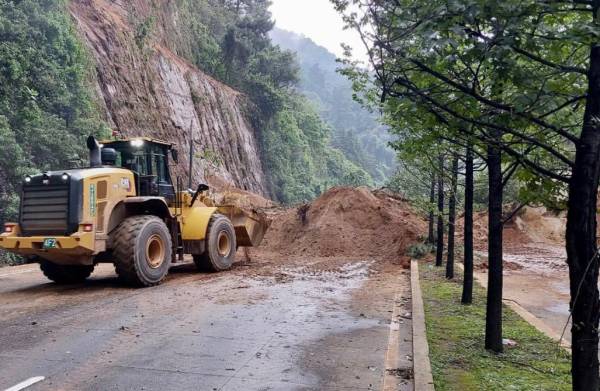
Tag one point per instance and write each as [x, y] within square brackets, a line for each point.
[318, 20]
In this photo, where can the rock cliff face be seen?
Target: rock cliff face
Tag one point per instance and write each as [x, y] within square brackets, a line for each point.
[147, 89]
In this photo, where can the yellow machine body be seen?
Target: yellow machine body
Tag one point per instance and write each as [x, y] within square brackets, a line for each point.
[249, 227]
[106, 196]
[102, 189]
[193, 220]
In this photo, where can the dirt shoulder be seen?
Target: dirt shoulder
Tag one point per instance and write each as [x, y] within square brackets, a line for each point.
[535, 270]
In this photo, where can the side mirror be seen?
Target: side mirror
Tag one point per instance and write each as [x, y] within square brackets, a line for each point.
[201, 188]
[175, 155]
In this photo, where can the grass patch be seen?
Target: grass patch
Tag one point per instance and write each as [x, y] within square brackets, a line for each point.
[456, 338]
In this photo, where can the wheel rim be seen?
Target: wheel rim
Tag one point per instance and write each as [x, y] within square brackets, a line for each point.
[155, 251]
[224, 244]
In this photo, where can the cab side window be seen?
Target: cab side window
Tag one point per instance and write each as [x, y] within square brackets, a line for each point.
[161, 168]
[141, 163]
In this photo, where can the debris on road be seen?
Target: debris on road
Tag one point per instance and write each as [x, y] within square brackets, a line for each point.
[509, 343]
[346, 222]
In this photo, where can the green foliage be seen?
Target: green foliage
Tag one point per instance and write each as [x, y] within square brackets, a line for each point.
[413, 181]
[451, 72]
[355, 130]
[455, 336]
[210, 156]
[230, 41]
[201, 25]
[419, 250]
[143, 31]
[10, 259]
[537, 189]
[298, 158]
[46, 110]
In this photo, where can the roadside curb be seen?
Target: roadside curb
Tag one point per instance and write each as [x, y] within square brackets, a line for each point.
[423, 379]
[391, 380]
[526, 315]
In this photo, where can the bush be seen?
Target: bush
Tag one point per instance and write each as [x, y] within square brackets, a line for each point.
[10, 259]
[419, 250]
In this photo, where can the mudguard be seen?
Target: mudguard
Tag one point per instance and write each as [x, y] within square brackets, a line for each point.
[195, 221]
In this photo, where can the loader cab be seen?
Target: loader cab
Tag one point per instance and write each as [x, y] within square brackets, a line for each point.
[148, 159]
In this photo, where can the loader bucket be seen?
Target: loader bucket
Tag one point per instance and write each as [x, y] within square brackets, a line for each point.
[250, 226]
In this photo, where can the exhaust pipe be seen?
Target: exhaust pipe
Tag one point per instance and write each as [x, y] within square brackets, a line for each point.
[95, 155]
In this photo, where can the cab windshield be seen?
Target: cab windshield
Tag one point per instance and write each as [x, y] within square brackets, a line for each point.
[146, 160]
[149, 163]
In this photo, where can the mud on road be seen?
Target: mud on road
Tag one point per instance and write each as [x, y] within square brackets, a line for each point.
[536, 275]
[316, 326]
[537, 278]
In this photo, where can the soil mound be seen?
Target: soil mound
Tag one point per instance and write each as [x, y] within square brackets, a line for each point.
[225, 194]
[540, 225]
[529, 225]
[346, 222]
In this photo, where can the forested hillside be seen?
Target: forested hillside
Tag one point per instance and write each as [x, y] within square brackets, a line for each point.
[46, 103]
[230, 40]
[49, 96]
[356, 131]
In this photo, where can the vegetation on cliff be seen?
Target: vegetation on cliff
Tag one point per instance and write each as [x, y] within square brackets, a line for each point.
[296, 143]
[46, 107]
[230, 40]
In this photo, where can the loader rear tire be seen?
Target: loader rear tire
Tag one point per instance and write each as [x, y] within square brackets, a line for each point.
[220, 246]
[142, 249]
[65, 274]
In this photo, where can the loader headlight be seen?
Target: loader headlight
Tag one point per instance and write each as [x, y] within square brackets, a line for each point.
[137, 143]
[27, 179]
[65, 177]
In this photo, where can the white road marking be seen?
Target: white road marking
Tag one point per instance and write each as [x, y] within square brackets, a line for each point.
[26, 383]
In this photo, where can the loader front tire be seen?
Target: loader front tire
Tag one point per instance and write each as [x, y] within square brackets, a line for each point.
[142, 249]
[220, 246]
[65, 274]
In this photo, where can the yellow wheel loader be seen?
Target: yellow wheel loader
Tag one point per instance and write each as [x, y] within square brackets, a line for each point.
[125, 209]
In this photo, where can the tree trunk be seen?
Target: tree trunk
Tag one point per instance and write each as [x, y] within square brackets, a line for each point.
[467, 294]
[440, 220]
[452, 218]
[493, 319]
[430, 236]
[581, 239]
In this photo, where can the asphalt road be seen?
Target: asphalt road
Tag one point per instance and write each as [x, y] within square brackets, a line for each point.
[316, 325]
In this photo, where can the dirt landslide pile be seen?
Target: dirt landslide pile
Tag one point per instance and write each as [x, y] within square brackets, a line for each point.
[225, 194]
[540, 225]
[529, 225]
[353, 223]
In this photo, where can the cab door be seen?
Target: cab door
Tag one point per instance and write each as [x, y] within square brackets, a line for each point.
[160, 169]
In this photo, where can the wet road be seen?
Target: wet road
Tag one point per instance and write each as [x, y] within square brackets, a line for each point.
[318, 326]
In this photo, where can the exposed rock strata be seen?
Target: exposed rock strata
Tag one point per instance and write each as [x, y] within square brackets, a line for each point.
[147, 89]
